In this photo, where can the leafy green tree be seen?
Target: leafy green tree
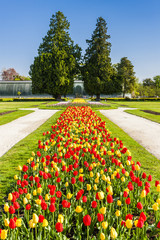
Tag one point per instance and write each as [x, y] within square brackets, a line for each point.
[156, 81]
[148, 82]
[126, 75]
[97, 68]
[58, 60]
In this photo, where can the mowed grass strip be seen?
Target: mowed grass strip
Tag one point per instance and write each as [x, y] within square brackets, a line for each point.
[149, 116]
[8, 106]
[147, 105]
[8, 117]
[149, 163]
[19, 154]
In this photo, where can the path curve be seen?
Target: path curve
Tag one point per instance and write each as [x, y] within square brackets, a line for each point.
[144, 131]
[12, 132]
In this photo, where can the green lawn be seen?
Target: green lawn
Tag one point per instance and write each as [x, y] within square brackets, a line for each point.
[19, 154]
[140, 113]
[7, 106]
[14, 106]
[6, 118]
[154, 106]
[139, 153]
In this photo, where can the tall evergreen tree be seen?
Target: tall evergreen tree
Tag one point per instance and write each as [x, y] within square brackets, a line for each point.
[58, 59]
[97, 68]
[126, 75]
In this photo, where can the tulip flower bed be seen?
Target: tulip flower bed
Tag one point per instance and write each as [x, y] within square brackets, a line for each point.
[82, 183]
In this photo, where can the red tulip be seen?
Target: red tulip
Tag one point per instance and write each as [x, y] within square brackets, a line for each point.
[12, 224]
[11, 210]
[28, 207]
[100, 217]
[139, 205]
[94, 204]
[109, 198]
[158, 225]
[59, 227]
[52, 207]
[87, 220]
[128, 201]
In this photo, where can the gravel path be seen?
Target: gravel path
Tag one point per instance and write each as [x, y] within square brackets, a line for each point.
[144, 131]
[13, 132]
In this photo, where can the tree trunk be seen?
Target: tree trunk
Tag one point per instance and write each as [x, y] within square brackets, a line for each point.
[124, 94]
[98, 97]
[57, 97]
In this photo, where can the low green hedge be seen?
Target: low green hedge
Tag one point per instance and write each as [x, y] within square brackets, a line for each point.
[131, 99]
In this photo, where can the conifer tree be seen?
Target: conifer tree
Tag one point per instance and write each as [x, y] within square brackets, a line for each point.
[58, 59]
[97, 68]
[126, 75]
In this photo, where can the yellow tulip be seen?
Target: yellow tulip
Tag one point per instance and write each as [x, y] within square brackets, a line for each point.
[119, 203]
[143, 193]
[39, 190]
[6, 222]
[10, 197]
[137, 167]
[78, 209]
[66, 184]
[60, 218]
[28, 196]
[15, 177]
[117, 213]
[34, 192]
[155, 206]
[129, 223]
[38, 201]
[126, 174]
[103, 210]
[102, 236]
[101, 195]
[32, 224]
[113, 233]
[88, 187]
[158, 201]
[123, 179]
[6, 207]
[158, 188]
[47, 197]
[18, 222]
[95, 187]
[45, 223]
[69, 195]
[104, 225]
[19, 168]
[35, 218]
[136, 222]
[25, 201]
[81, 170]
[4, 234]
[33, 154]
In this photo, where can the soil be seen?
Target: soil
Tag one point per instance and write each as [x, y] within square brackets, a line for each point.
[3, 113]
[151, 112]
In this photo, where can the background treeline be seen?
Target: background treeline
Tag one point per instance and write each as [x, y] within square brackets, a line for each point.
[148, 88]
[59, 62]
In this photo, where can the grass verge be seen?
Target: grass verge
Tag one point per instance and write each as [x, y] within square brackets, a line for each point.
[6, 118]
[148, 162]
[19, 154]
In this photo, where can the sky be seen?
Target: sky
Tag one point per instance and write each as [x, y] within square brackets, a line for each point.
[134, 27]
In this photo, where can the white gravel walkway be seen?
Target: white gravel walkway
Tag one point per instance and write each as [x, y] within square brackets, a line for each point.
[13, 132]
[144, 131]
